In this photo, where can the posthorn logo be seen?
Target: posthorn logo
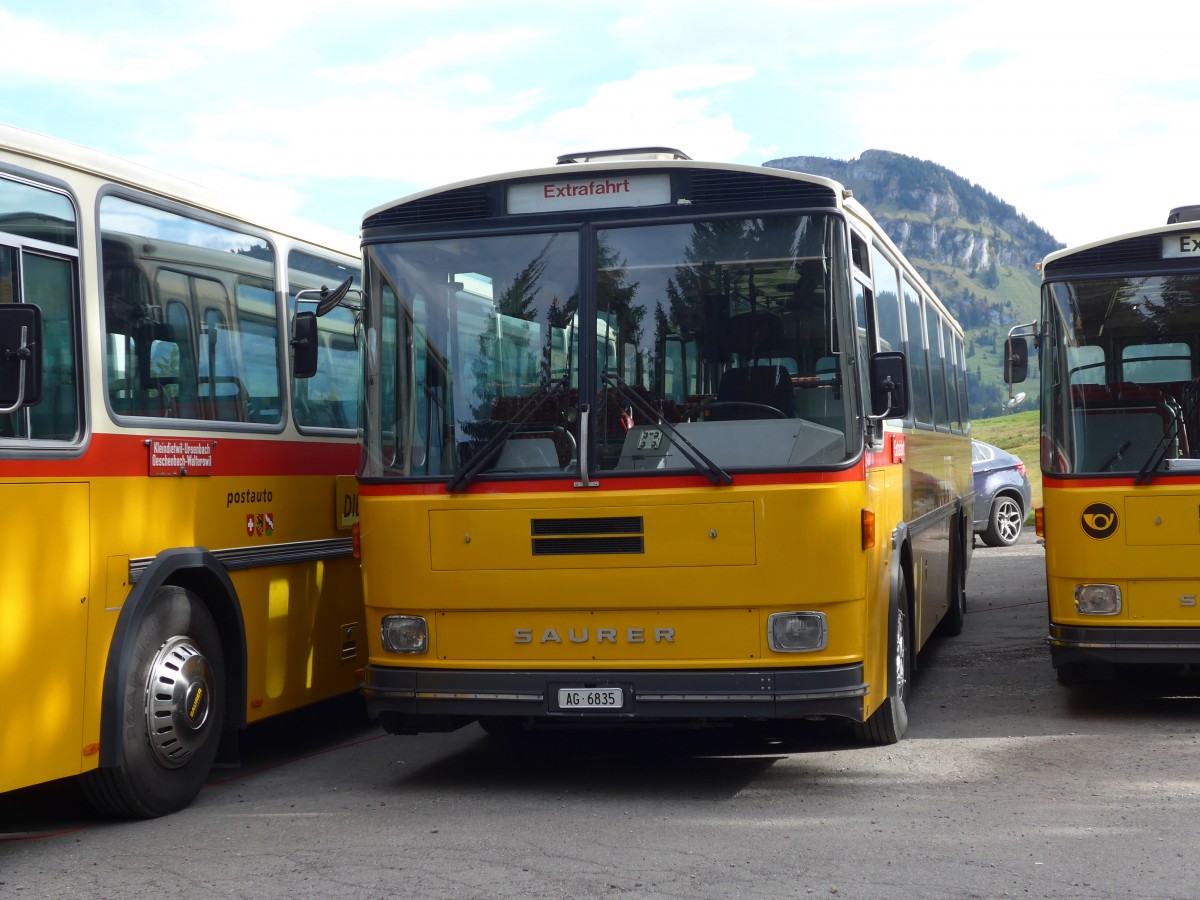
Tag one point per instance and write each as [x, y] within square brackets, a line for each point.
[1099, 520]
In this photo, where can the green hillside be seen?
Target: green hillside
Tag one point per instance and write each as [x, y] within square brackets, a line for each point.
[1017, 433]
[976, 251]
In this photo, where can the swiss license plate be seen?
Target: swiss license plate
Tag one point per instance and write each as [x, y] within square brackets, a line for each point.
[591, 698]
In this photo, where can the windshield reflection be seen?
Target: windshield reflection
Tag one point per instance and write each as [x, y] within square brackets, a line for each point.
[718, 337]
[1119, 394]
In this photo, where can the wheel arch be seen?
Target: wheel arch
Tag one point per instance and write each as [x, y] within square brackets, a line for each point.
[1012, 493]
[902, 568]
[902, 560]
[197, 570]
[966, 537]
[887, 723]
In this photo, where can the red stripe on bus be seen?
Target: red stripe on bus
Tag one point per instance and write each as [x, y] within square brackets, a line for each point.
[1161, 479]
[653, 483]
[114, 455]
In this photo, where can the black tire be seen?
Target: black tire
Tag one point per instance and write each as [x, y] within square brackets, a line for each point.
[1005, 522]
[172, 712]
[890, 720]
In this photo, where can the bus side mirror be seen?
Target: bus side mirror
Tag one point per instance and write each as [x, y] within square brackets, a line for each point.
[20, 356]
[304, 345]
[889, 385]
[1016, 360]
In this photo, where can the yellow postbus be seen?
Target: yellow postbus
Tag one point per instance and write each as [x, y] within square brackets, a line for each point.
[175, 545]
[1119, 345]
[651, 438]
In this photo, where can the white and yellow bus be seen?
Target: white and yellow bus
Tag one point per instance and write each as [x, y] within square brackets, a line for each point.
[639, 445]
[1119, 345]
[175, 546]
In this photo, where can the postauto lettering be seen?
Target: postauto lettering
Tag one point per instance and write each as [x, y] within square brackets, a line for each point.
[248, 496]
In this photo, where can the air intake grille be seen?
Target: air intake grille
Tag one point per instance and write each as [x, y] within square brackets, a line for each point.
[588, 536]
[449, 206]
[745, 187]
[1144, 249]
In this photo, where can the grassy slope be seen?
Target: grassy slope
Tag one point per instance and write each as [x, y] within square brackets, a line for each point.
[1017, 433]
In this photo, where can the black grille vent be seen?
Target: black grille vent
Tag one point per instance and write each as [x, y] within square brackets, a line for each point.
[587, 546]
[614, 525]
[449, 206]
[1119, 254]
[588, 536]
[746, 187]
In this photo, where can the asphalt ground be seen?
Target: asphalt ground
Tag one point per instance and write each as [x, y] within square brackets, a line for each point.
[1006, 785]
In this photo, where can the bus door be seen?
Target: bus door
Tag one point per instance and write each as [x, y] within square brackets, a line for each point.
[44, 532]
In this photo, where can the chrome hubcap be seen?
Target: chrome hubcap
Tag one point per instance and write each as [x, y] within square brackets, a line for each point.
[178, 701]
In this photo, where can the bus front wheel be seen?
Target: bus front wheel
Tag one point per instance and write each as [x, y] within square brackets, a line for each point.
[172, 712]
[890, 720]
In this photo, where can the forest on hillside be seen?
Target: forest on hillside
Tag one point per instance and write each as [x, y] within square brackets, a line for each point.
[977, 252]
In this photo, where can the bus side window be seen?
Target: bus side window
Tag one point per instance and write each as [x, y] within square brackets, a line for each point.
[888, 323]
[256, 371]
[330, 398]
[937, 372]
[129, 328]
[48, 283]
[960, 368]
[918, 365]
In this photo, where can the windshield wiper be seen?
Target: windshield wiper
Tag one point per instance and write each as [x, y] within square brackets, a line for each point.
[1170, 433]
[480, 460]
[687, 449]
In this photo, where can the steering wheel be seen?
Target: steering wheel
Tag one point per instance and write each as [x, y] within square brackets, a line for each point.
[562, 432]
[774, 412]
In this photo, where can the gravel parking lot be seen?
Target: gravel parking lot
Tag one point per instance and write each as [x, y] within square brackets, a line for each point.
[1007, 785]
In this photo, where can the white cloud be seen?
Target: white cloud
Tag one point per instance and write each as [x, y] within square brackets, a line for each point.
[665, 106]
[39, 52]
[1081, 121]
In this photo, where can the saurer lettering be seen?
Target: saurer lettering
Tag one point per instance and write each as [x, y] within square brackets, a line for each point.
[595, 636]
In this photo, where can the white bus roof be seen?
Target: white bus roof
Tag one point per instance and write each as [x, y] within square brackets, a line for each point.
[557, 171]
[843, 196]
[1115, 238]
[115, 169]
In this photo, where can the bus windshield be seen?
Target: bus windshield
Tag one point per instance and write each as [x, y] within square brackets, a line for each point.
[1122, 397]
[723, 334]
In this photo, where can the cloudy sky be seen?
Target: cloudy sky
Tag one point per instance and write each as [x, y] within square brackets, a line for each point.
[1083, 116]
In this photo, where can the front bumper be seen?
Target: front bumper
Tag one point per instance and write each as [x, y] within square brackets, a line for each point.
[696, 694]
[1167, 646]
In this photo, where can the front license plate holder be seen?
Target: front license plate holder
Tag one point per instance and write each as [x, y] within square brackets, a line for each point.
[590, 699]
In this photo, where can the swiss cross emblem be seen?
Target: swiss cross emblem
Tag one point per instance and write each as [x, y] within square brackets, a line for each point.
[260, 524]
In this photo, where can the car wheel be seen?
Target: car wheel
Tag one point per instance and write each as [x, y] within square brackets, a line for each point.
[1004, 524]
